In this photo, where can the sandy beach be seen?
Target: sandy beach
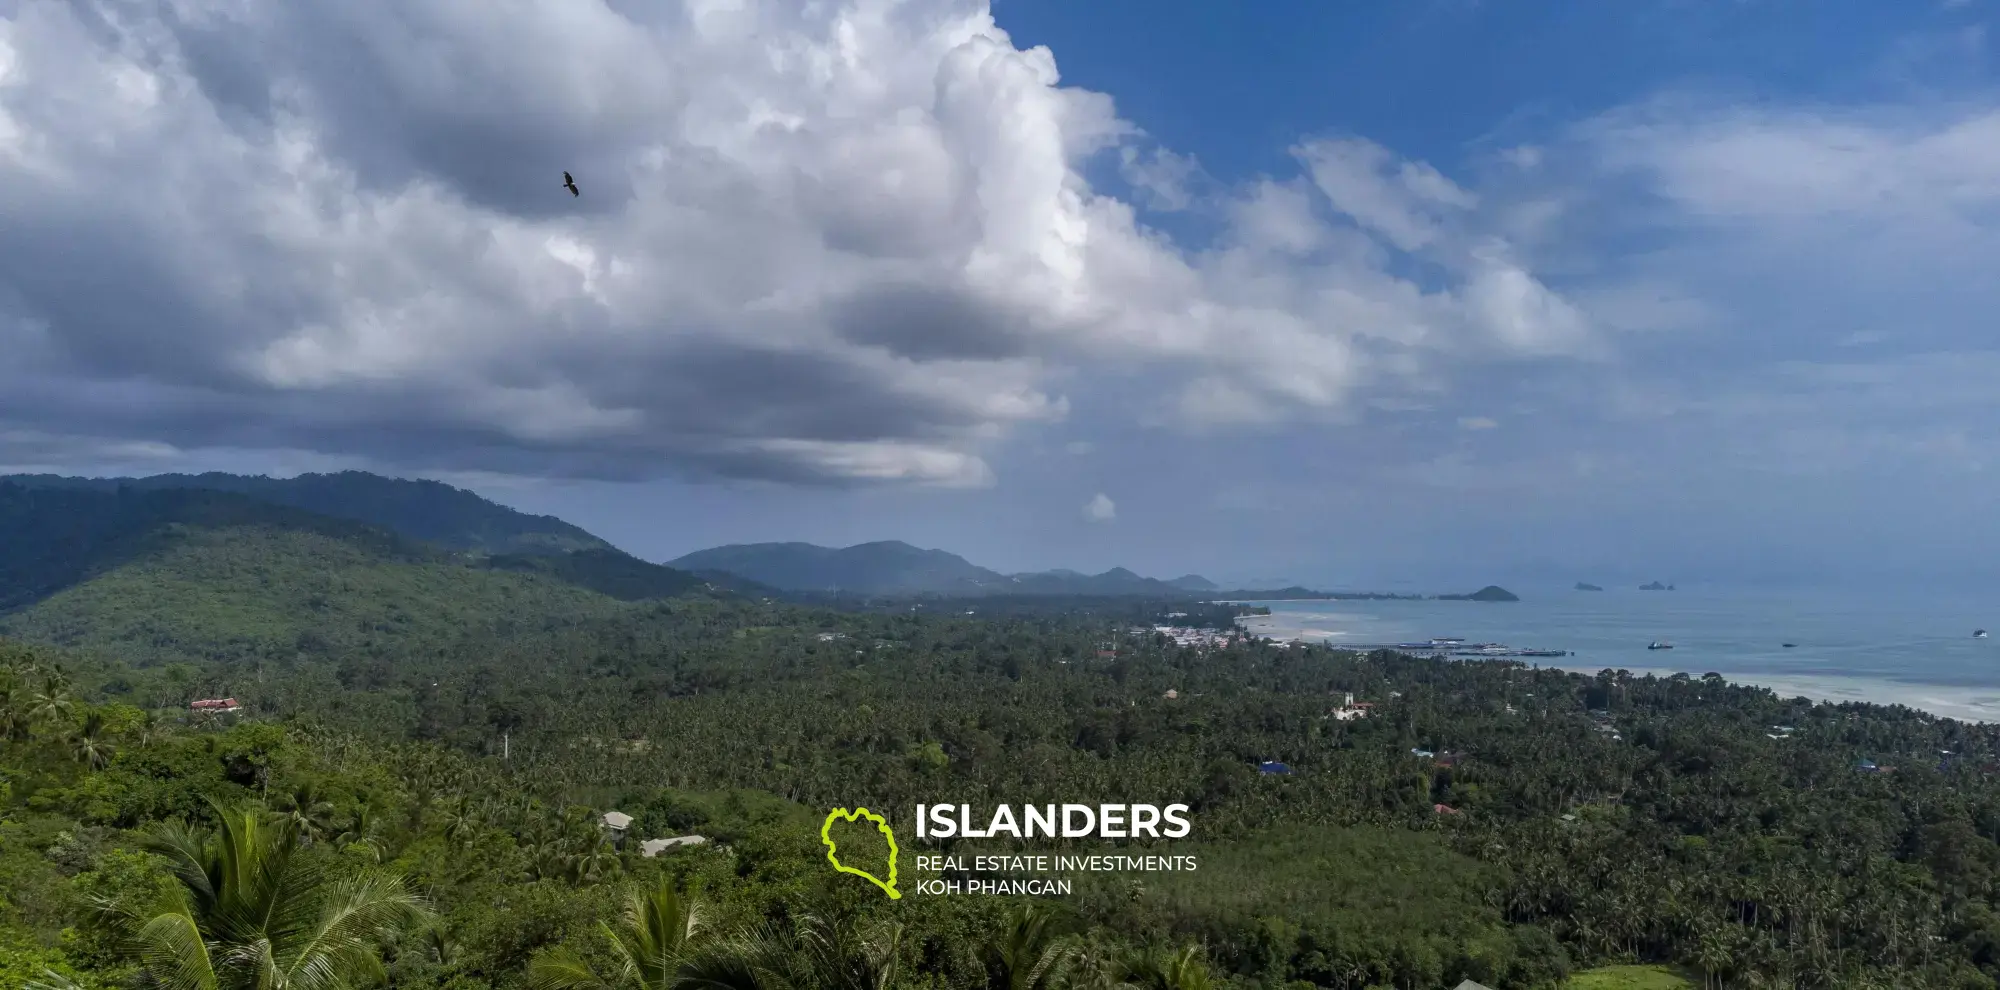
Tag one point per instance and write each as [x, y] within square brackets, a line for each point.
[1915, 652]
[1964, 704]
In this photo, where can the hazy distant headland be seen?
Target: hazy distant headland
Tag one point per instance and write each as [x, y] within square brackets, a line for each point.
[1490, 593]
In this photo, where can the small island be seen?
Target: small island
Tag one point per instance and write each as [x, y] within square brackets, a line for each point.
[1581, 586]
[1490, 593]
[1656, 586]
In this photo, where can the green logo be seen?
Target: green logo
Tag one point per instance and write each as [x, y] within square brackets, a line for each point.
[833, 854]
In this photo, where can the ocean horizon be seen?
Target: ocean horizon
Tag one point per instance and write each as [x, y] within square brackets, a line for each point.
[1885, 648]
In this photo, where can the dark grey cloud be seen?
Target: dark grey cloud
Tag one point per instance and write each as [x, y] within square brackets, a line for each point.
[928, 322]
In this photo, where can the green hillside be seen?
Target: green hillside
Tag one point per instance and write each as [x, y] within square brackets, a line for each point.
[607, 572]
[57, 537]
[428, 511]
[181, 573]
[260, 591]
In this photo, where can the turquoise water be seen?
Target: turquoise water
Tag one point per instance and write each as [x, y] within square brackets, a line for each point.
[1914, 650]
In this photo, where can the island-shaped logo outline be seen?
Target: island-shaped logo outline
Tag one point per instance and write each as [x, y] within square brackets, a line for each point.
[833, 853]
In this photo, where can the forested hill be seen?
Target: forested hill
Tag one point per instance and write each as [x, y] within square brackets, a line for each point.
[888, 567]
[58, 537]
[429, 511]
[891, 567]
[196, 574]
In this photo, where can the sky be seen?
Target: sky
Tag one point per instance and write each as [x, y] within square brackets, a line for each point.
[1427, 293]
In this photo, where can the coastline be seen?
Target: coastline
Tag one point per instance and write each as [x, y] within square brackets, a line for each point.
[1974, 705]
[1349, 598]
[1979, 705]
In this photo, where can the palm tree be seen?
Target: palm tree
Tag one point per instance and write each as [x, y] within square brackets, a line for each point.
[151, 730]
[1162, 969]
[249, 914]
[657, 931]
[437, 944]
[305, 806]
[364, 833]
[462, 820]
[593, 860]
[14, 705]
[816, 953]
[843, 955]
[52, 703]
[1033, 952]
[91, 742]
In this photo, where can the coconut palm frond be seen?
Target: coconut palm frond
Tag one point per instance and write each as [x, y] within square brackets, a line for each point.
[171, 947]
[563, 969]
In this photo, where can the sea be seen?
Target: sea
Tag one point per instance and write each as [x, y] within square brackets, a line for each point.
[1910, 649]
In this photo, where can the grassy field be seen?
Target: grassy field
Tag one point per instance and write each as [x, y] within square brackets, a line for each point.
[1629, 978]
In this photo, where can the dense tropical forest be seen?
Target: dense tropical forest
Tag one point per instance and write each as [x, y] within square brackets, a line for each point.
[413, 788]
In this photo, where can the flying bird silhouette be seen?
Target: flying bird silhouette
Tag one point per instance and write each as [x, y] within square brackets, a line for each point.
[570, 184]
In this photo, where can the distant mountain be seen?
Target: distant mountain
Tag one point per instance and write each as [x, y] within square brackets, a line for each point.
[198, 574]
[1656, 586]
[885, 568]
[1116, 581]
[1195, 582]
[896, 568]
[1585, 586]
[430, 511]
[1266, 583]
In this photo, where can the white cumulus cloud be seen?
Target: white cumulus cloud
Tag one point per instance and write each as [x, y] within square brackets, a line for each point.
[1100, 509]
[848, 241]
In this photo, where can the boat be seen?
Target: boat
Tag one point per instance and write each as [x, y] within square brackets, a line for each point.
[1790, 645]
[1658, 645]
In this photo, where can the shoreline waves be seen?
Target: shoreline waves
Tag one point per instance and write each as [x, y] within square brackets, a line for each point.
[1872, 651]
[1942, 700]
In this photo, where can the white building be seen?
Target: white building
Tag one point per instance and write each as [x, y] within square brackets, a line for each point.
[1349, 710]
[653, 847]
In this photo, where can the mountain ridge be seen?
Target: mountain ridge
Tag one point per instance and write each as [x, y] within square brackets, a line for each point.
[892, 567]
[418, 509]
[172, 572]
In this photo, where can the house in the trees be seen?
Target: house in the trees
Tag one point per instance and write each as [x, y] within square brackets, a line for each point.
[1351, 709]
[653, 847]
[616, 823]
[215, 706]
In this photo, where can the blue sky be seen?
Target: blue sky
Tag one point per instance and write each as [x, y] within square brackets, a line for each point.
[1420, 294]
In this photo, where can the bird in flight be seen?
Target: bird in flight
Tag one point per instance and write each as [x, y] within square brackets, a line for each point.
[570, 184]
